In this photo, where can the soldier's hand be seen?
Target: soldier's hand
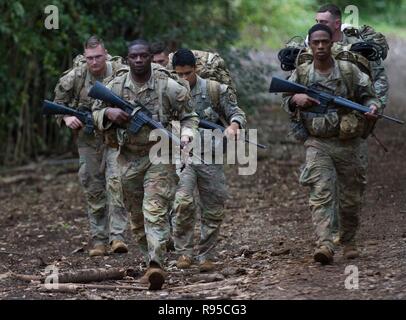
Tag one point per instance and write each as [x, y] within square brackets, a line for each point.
[373, 113]
[117, 115]
[73, 122]
[184, 141]
[302, 100]
[232, 131]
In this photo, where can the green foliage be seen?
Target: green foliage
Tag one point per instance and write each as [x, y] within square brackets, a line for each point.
[33, 57]
[272, 23]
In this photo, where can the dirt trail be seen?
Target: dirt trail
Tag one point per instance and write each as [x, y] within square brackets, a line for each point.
[266, 243]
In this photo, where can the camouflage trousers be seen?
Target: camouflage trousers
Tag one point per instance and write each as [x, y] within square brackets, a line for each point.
[100, 180]
[363, 175]
[335, 173]
[211, 185]
[148, 190]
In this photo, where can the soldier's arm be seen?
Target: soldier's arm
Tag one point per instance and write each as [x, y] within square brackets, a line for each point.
[364, 89]
[64, 93]
[104, 114]
[182, 108]
[287, 103]
[228, 107]
[380, 82]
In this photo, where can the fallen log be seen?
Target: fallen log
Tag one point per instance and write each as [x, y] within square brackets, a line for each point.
[75, 287]
[207, 285]
[79, 276]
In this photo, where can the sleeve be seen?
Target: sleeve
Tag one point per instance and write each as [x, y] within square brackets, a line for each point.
[99, 109]
[287, 96]
[228, 107]
[380, 84]
[64, 92]
[364, 89]
[181, 102]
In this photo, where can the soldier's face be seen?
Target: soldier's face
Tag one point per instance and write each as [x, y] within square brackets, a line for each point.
[187, 73]
[321, 43]
[96, 59]
[161, 58]
[139, 58]
[328, 19]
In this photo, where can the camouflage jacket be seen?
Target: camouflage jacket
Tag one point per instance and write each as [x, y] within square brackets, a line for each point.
[345, 80]
[73, 87]
[215, 101]
[210, 65]
[165, 98]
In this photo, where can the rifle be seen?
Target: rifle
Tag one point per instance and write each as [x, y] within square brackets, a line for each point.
[280, 85]
[140, 115]
[211, 125]
[52, 108]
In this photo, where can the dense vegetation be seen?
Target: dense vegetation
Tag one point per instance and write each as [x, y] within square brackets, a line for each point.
[32, 56]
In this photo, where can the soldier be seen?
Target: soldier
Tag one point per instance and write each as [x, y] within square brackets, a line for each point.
[213, 101]
[107, 216]
[160, 54]
[333, 166]
[330, 15]
[148, 188]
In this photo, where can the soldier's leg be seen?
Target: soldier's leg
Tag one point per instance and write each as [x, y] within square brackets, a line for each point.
[320, 175]
[213, 194]
[351, 177]
[118, 217]
[363, 164]
[132, 179]
[184, 210]
[92, 179]
[159, 191]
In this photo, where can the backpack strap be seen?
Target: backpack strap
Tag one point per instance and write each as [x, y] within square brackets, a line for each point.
[213, 90]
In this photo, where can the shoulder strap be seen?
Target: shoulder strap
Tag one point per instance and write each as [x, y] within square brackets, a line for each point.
[213, 89]
[347, 76]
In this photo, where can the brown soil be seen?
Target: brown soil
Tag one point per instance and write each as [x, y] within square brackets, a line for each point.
[266, 243]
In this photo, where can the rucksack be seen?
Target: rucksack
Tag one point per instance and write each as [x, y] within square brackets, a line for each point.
[369, 35]
[210, 65]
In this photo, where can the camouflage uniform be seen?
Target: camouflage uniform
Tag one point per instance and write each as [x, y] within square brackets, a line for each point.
[72, 90]
[209, 65]
[148, 188]
[334, 168]
[380, 84]
[219, 102]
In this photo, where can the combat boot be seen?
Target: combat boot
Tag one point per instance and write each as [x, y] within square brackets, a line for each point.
[184, 262]
[155, 276]
[350, 251]
[118, 246]
[323, 255]
[98, 250]
[206, 266]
